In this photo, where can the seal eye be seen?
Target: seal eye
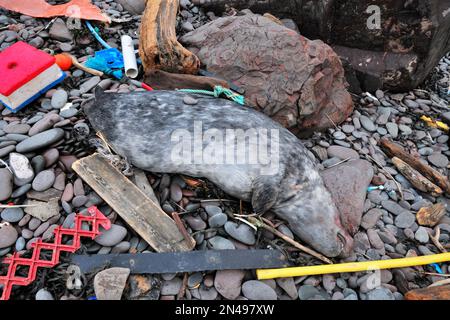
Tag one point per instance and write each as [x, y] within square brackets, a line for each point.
[342, 239]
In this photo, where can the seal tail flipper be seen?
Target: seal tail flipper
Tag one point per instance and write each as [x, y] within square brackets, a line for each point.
[265, 194]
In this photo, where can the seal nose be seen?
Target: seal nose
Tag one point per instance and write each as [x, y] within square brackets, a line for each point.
[347, 244]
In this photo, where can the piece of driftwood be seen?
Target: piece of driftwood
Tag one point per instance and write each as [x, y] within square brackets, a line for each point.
[430, 216]
[141, 181]
[394, 150]
[435, 239]
[161, 80]
[159, 47]
[416, 178]
[430, 293]
[141, 213]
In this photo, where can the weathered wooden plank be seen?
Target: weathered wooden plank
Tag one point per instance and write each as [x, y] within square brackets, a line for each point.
[430, 293]
[141, 213]
[141, 181]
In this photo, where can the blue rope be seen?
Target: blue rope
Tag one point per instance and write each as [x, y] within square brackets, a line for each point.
[218, 91]
[97, 36]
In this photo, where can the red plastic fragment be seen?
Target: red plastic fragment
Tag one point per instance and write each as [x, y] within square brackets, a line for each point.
[95, 220]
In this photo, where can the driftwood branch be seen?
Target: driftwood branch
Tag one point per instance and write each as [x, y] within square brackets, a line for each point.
[416, 178]
[394, 150]
[430, 216]
[159, 47]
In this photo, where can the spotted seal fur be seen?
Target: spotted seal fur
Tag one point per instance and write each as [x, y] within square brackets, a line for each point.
[141, 126]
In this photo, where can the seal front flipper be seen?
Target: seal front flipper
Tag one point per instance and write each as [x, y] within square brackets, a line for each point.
[265, 193]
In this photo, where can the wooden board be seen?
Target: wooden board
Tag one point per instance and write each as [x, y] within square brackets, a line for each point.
[141, 213]
[430, 293]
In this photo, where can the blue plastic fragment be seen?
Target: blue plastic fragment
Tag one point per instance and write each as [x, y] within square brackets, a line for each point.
[92, 298]
[109, 61]
[437, 267]
[372, 188]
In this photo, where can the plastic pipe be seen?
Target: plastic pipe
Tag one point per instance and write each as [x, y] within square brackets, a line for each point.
[351, 267]
[129, 57]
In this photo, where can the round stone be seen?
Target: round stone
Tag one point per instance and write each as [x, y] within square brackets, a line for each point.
[438, 159]
[8, 236]
[218, 220]
[12, 215]
[405, 220]
[44, 294]
[421, 235]
[258, 290]
[213, 210]
[44, 180]
[59, 99]
[111, 237]
[242, 233]
[220, 243]
[20, 244]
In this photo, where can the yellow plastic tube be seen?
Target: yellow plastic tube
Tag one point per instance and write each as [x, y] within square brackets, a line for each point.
[351, 267]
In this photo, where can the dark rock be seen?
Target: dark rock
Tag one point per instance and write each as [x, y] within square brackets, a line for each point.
[397, 55]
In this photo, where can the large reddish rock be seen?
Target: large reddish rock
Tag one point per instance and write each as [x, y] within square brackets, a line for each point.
[396, 55]
[298, 82]
[348, 184]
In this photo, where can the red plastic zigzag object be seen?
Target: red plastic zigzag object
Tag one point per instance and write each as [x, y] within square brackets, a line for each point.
[95, 220]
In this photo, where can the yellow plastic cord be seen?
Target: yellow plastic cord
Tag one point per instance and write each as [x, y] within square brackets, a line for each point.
[435, 124]
[351, 267]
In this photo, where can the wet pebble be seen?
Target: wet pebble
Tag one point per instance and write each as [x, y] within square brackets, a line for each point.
[43, 180]
[111, 237]
[12, 215]
[258, 290]
[242, 233]
[8, 236]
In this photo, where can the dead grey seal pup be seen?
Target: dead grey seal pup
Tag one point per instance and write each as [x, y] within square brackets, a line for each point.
[217, 139]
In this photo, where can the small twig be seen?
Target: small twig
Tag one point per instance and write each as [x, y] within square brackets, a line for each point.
[83, 67]
[399, 187]
[334, 124]
[203, 231]
[215, 200]
[247, 223]
[182, 290]
[179, 207]
[245, 215]
[4, 206]
[435, 239]
[268, 222]
[435, 274]
[189, 240]
[340, 162]
[261, 224]
[439, 283]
